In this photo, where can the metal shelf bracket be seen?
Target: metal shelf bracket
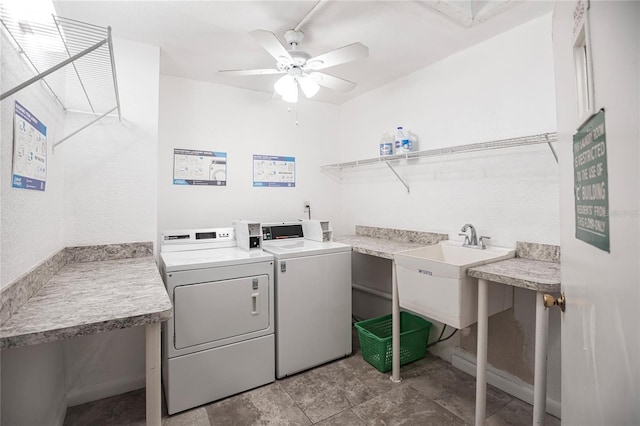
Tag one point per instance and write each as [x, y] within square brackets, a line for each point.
[398, 176]
[553, 151]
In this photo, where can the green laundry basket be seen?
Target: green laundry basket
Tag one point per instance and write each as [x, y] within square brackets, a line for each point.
[375, 340]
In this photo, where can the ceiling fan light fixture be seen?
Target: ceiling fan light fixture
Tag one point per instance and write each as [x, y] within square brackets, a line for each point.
[287, 87]
[291, 96]
[308, 86]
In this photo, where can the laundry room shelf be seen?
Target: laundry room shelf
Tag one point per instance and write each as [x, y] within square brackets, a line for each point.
[74, 61]
[543, 138]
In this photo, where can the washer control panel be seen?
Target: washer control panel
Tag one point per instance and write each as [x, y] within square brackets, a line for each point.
[193, 239]
[282, 231]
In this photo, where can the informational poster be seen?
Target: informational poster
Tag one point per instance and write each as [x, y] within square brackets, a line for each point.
[272, 170]
[591, 183]
[192, 167]
[29, 151]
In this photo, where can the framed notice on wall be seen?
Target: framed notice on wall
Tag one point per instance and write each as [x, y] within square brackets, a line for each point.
[591, 183]
[29, 151]
[274, 171]
[194, 167]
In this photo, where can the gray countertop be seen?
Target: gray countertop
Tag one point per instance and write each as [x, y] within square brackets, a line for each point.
[375, 246]
[534, 275]
[87, 298]
[384, 242]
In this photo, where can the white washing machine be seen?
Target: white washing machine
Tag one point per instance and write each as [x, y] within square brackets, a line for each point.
[313, 298]
[220, 340]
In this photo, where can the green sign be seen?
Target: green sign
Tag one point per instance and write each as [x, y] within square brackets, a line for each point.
[591, 183]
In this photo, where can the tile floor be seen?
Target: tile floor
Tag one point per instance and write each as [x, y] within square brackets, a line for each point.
[344, 392]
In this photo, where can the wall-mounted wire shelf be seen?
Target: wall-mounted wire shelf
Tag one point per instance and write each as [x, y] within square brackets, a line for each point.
[543, 138]
[74, 60]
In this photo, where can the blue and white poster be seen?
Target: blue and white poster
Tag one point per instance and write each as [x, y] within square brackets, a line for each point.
[29, 151]
[193, 167]
[273, 171]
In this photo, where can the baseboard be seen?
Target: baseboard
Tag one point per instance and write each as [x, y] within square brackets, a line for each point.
[503, 381]
[104, 390]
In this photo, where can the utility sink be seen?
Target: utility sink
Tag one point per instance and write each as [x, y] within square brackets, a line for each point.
[433, 281]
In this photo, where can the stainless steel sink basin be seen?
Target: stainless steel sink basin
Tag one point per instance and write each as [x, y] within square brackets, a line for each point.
[433, 281]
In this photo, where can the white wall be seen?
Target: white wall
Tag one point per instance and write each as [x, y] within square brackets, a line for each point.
[105, 364]
[31, 229]
[497, 89]
[110, 188]
[33, 385]
[211, 117]
[31, 221]
[500, 88]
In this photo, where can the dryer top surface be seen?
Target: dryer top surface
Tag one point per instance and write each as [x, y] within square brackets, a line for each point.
[297, 247]
[212, 258]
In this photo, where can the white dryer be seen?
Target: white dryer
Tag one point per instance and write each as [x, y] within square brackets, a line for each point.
[220, 339]
[313, 298]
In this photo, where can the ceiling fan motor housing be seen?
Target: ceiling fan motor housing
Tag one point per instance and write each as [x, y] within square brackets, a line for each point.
[294, 38]
[298, 60]
[298, 57]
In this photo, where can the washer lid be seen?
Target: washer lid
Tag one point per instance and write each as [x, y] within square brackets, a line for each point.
[211, 258]
[299, 247]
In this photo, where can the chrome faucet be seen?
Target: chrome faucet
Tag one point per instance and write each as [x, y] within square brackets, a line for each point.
[471, 240]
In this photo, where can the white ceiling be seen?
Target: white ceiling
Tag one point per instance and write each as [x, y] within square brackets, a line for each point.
[198, 38]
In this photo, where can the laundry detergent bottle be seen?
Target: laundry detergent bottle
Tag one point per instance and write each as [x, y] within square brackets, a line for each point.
[386, 144]
[402, 144]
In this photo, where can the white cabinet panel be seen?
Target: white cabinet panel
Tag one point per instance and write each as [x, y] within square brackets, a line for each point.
[313, 311]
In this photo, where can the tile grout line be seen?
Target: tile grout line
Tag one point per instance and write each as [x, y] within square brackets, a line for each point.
[294, 401]
[370, 399]
[438, 404]
[511, 399]
[359, 418]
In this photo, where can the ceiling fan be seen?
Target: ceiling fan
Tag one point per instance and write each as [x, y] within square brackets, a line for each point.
[300, 68]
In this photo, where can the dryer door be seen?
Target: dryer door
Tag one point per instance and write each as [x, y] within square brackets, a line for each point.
[212, 311]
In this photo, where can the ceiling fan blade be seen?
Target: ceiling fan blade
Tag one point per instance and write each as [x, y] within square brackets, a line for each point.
[251, 72]
[332, 82]
[270, 43]
[344, 54]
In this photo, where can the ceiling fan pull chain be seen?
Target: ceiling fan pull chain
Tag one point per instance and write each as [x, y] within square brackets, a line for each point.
[296, 111]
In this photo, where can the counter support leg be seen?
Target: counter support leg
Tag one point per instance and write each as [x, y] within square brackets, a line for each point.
[152, 366]
[395, 326]
[540, 374]
[481, 367]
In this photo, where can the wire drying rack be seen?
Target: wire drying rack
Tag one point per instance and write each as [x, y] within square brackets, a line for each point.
[543, 138]
[73, 60]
